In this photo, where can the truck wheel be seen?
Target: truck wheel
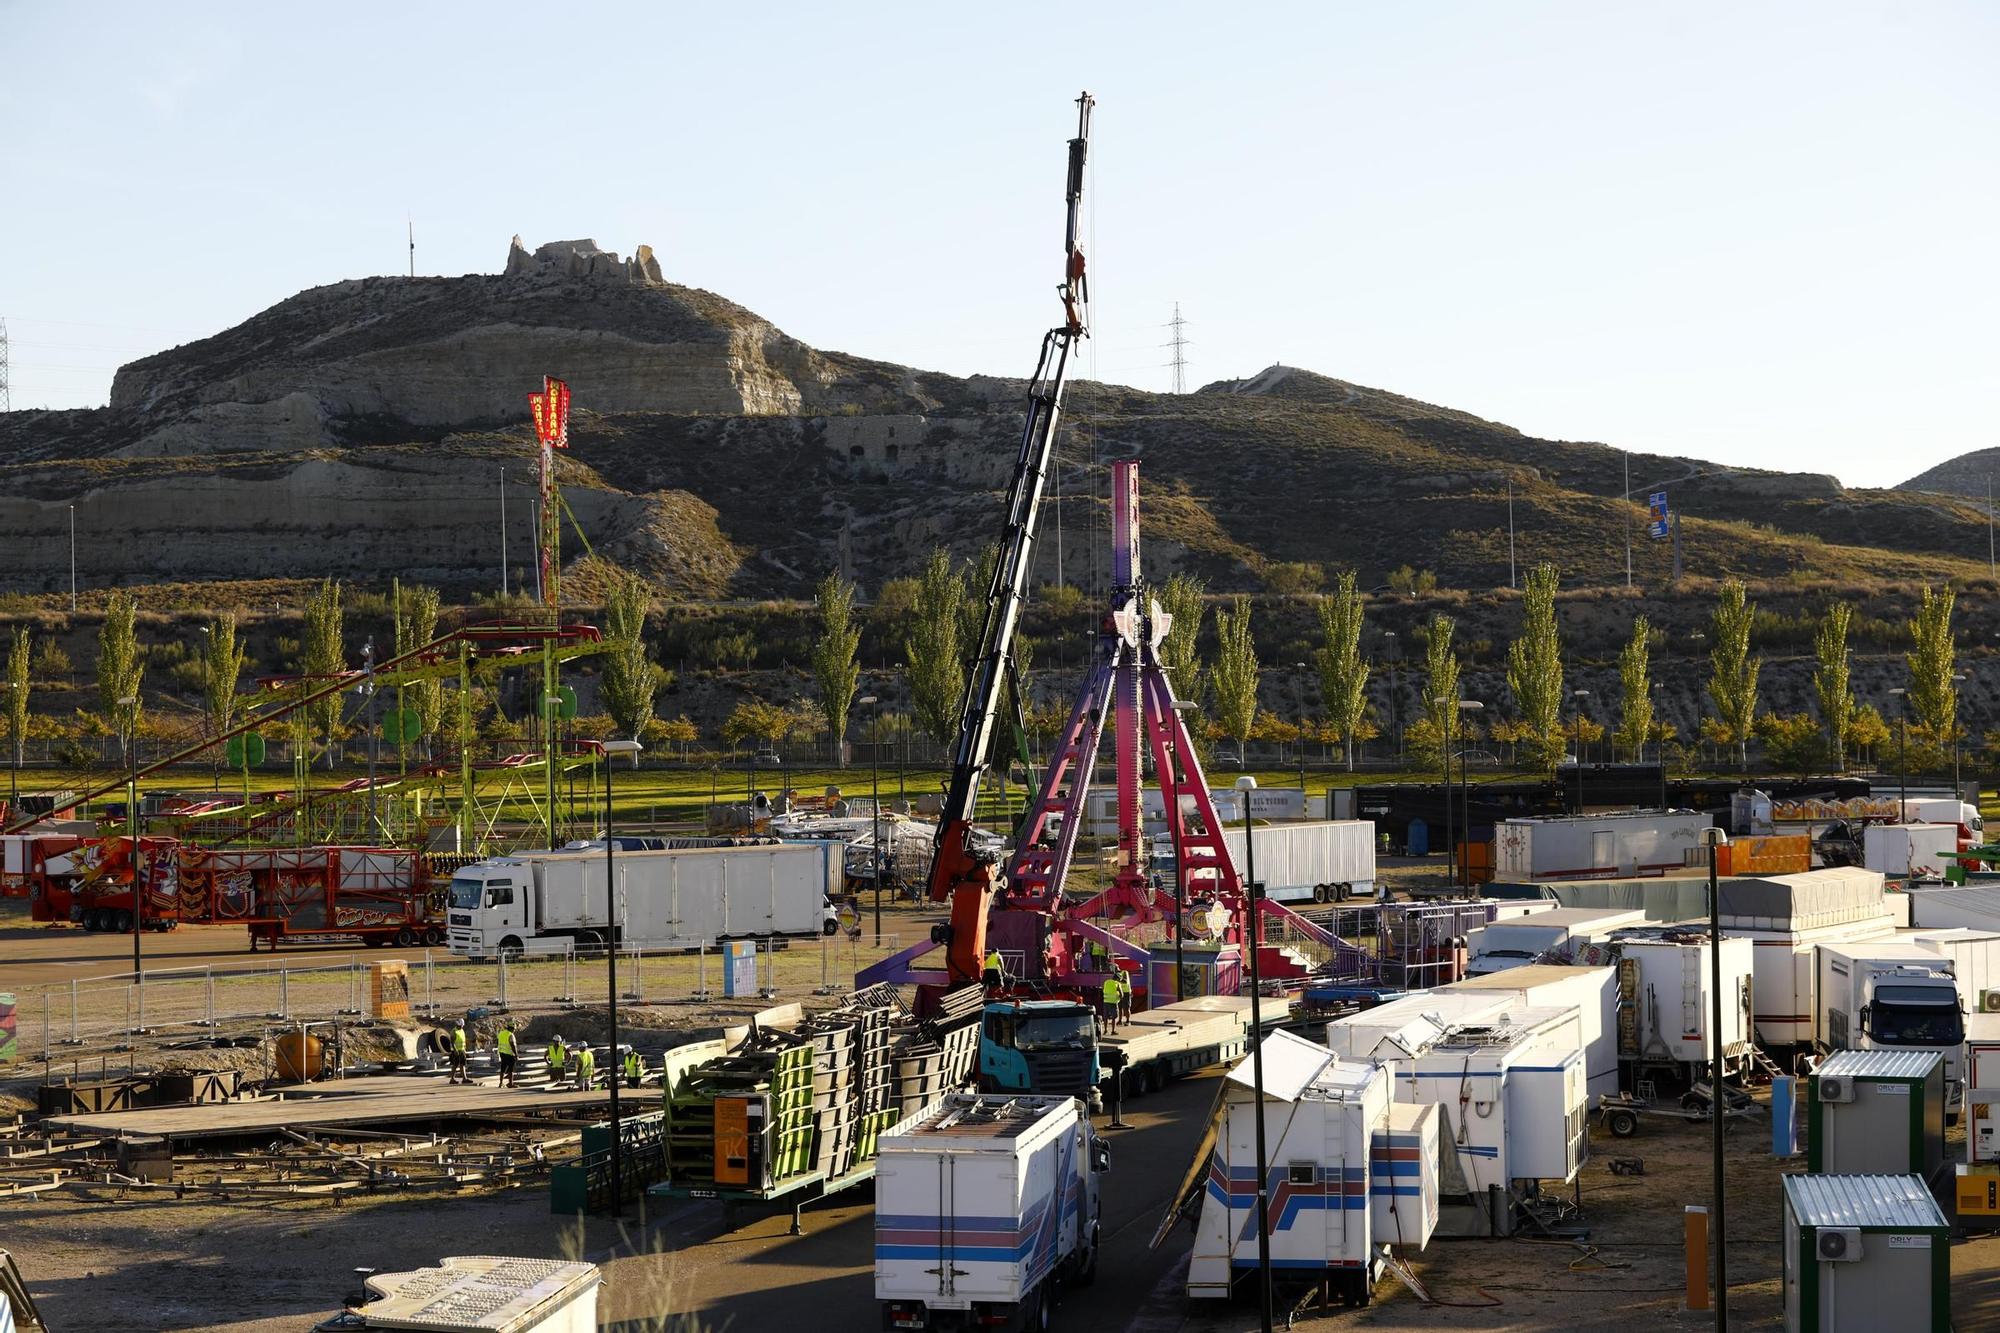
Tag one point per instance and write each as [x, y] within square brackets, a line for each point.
[1622, 1124]
[1045, 1311]
[405, 937]
[510, 948]
[829, 927]
[433, 935]
[123, 922]
[1088, 1273]
[1341, 892]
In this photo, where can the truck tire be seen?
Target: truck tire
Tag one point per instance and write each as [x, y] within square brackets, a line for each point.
[510, 948]
[123, 922]
[405, 937]
[829, 927]
[1088, 1273]
[1622, 1124]
[1341, 892]
[433, 935]
[1045, 1308]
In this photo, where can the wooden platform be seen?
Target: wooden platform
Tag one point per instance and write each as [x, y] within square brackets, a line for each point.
[351, 1103]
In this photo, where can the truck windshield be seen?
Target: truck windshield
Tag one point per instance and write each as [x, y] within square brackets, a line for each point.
[465, 892]
[1068, 1032]
[1914, 1016]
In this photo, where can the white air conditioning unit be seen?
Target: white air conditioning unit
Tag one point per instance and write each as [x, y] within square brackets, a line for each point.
[1989, 1002]
[1840, 1245]
[1835, 1090]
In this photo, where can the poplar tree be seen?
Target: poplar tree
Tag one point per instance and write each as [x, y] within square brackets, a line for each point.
[222, 661]
[1236, 674]
[416, 612]
[1732, 681]
[17, 693]
[324, 655]
[1440, 694]
[936, 667]
[1534, 667]
[631, 679]
[1635, 719]
[1181, 598]
[120, 668]
[1830, 680]
[836, 671]
[1933, 693]
[1343, 672]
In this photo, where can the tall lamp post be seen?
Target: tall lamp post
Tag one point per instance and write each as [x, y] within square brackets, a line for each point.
[1582, 698]
[1715, 838]
[612, 904]
[1902, 754]
[14, 768]
[875, 805]
[1465, 706]
[1394, 653]
[1299, 690]
[126, 707]
[1956, 678]
[1254, 892]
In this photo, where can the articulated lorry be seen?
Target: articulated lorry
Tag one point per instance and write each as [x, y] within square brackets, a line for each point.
[984, 1207]
[547, 903]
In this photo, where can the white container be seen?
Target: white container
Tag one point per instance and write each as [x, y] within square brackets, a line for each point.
[1595, 846]
[551, 902]
[485, 1293]
[1351, 1176]
[983, 1204]
[1323, 861]
[1401, 1029]
[1864, 1254]
[1889, 995]
[1666, 979]
[1946, 810]
[1785, 917]
[1591, 991]
[1909, 851]
[1558, 936]
[1876, 1113]
[1982, 1101]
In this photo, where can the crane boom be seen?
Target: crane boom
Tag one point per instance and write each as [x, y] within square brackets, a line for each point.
[958, 874]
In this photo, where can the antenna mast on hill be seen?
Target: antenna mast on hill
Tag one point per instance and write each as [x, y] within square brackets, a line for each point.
[6, 399]
[1179, 344]
[411, 224]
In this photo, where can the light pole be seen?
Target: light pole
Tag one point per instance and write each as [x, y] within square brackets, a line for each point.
[1464, 778]
[126, 707]
[1248, 784]
[1393, 652]
[1176, 826]
[1715, 837]
[875, 805]
[1902, 754]
[367, 690]
[1582, 698]
[1957, 676]
[612, 904]
[1450, 842]
[72, 559]
[14, 769]
[1299, 690]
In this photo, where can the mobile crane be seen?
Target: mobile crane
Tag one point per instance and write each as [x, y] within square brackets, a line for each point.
[960, 874]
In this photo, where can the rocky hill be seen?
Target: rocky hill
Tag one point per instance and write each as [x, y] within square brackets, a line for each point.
[1968, 474]
[362, 429]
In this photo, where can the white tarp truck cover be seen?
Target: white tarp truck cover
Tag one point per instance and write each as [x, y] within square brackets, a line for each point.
[982, 1203]
[1321, 861]
[1595, 846]
[1784, 917]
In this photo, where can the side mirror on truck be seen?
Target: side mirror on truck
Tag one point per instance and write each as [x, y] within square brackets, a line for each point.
[1100, 1156]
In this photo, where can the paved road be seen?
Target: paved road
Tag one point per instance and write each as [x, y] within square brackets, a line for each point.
[747, 1273]
[34, 955]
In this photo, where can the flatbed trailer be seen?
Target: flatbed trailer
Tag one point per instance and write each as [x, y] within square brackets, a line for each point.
[793, 1192]
[1157, 1046]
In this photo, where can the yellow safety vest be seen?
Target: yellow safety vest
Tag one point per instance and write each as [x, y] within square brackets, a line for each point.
[586, 1064]
[558, 1053]
[1111, 990]
[505, 1041]
[993, 963]
[632, 1064]
[458, 1041]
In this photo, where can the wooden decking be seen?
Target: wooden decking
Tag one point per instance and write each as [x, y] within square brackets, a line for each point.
[354, 1102]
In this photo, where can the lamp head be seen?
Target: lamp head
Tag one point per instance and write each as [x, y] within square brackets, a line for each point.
[1714, 836]
[1247, 782]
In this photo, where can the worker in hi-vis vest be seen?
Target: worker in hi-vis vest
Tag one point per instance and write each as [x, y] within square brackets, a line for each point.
[632, 1069]
[558, 1057]
[995, 969]
[458, 1053]
[1109, 1005]
[503, 1042]
[586, 1066]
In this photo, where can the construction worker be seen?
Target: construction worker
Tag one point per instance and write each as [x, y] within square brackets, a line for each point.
[558, 1057]
[586, 1066]
[503, 1042]
[458, 1053]
[1124, 1000]
[1109, 1004]
[633, 1069]
[995, 970]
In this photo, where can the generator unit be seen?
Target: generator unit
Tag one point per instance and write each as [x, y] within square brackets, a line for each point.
[1982, 1100]
[1864, 1253]
[1876, 1113]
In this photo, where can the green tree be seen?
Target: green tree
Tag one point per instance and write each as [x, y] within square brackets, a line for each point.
[1343, 671]
[1794, 744]
[222, 659]
[1294, 577]
[1933, 693]
[1440, 696]
[933, 650]
[1236, 673]
[1635, 718]
[324, 656]
[1732, 681]
[17, 693]
[121, 669]
[975, 580]
[836, 671]
[753, 719]
[1534, 668]
[1181, 597]
[631, 678]
[1830, 680]
[416, 624]
[1868, 730]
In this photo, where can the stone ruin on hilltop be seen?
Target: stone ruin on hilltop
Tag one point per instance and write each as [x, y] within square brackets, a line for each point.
[583, 259]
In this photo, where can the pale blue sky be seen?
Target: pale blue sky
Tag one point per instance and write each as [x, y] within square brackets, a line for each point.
[1758, 234]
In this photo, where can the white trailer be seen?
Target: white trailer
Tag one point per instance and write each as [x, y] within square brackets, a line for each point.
[542, 903]
[1322, 862]
[1909, 851]
[1666, 993]
[1982, 1100]
[1561, 935]
[1595, 846]
[984, 1204]
[1359, 1173]
[1946, 810]
[1592, 991]
[1892, 995]
[1785, 917]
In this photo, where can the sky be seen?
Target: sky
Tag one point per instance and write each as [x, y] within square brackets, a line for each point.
[1761, 235]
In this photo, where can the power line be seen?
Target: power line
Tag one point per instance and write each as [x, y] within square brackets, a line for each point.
[1179, 344]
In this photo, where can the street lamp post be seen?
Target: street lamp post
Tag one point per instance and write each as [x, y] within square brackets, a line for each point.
[1299, 690]
[612, 905]
[368, 692]
[1955, 679]
[1450, 842]
[875, 806]
[1715, 837]
[126, 707]
[13, 769]
[1582, 698]
[1248, 784]
[1391, 651]
[1464, 778]
[1902, 754]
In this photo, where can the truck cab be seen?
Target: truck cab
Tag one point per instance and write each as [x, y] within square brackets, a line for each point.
[490, 905]
[1892, 996]
[1039, 1046]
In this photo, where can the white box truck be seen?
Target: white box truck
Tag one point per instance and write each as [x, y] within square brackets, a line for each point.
[1591, 991]
[1595, 846]
[984, 1204]
[1667, 997]
[542, 903]
[1909, 851]
[1784, 917]
[1890, 995]
[1324, 861]
[1559, 936]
